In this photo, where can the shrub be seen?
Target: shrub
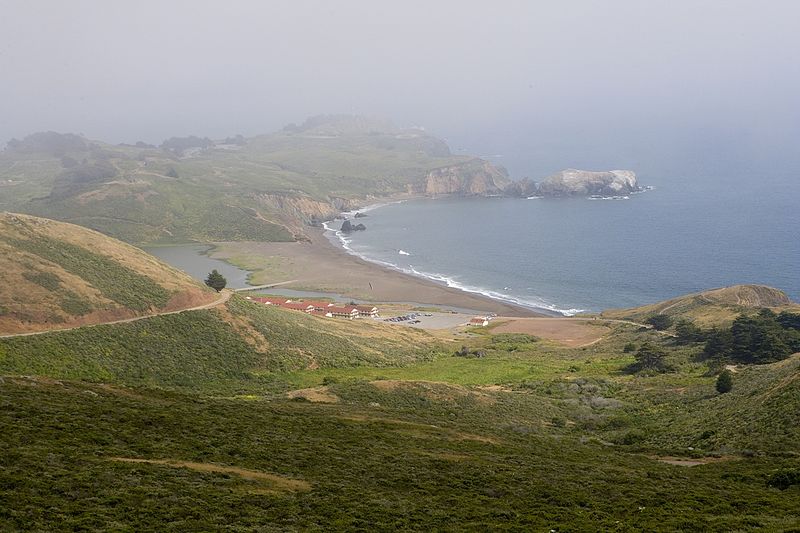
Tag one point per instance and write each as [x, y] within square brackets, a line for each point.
[725, 381]
[629, 347]
[659, 322]
[784, 479]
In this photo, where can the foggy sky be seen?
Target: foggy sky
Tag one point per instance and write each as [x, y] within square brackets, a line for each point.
[548, 84]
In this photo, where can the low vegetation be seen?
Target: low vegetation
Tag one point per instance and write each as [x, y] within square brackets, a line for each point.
[249, 417]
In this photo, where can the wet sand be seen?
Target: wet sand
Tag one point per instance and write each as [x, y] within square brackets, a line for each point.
[322, 266]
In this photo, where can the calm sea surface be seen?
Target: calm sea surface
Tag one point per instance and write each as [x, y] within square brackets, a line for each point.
[192, 259]
[567, 255]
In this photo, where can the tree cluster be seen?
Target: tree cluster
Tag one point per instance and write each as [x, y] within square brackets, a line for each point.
[763, 338]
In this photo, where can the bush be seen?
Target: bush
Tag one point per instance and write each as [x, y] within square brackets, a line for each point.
[725, 381]
[659, 322]
[629, 347]
[784, 479]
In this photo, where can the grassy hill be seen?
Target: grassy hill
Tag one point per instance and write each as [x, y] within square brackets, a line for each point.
[713, 307]
[240, 346]
[248, 417]
[189, 189]
[55, 274]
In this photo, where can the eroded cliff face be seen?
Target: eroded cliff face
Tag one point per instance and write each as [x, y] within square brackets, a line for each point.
[573, 182]
[296, 211]
[471, 178]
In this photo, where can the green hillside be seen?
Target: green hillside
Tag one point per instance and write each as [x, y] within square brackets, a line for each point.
[264, 189]
[60, 275]
[205, 404]
[237, 347]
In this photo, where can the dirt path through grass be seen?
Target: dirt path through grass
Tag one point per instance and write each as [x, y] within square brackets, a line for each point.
[224, 296]
[276, 482]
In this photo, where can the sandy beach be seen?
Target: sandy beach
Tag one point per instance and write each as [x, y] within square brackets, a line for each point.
[321, 266]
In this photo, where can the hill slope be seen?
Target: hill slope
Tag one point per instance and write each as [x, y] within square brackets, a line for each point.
[266, 188]
[228, 348]
[388, 429]
[712, 307]
[54, 274]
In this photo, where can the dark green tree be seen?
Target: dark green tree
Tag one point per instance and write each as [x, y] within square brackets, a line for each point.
[687, 332]
[759, 339]
[216, 281]
[659, 322]
[629, 347]
[725, 381]
[650, 358]
[719, 343]
[789, 320]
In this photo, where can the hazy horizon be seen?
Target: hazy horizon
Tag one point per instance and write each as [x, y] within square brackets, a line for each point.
[687, 85]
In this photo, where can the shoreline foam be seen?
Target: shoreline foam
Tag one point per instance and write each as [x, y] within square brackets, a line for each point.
[340, 240]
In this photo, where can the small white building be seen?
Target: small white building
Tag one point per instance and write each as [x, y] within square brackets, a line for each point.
[367, 311]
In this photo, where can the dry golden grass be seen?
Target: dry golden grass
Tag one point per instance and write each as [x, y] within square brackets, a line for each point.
[65, 298]
[270, 482]
[714, 307]
[314, 395]
[569, 332]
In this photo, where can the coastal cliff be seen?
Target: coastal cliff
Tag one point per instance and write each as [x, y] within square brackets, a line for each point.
[475, 177]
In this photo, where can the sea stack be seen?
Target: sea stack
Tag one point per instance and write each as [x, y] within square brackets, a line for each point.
[572, 182]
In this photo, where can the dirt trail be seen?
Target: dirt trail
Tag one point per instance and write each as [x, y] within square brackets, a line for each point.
[276, 482]
[224, 296]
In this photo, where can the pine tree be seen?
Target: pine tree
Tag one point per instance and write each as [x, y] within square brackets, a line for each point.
[216, 281]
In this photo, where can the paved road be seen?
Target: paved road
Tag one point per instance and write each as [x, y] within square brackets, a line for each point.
[224, 296]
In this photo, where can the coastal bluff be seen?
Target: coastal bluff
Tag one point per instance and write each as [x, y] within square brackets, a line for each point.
[475, 177]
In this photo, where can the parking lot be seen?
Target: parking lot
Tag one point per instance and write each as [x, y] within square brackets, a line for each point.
[429, 320]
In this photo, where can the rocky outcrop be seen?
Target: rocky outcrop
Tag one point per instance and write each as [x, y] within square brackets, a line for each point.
[572, 182]
[522, 188]
[475, 177]
[347, 227]
[304, 208]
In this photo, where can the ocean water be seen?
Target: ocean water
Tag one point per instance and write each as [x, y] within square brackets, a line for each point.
[570, 255]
